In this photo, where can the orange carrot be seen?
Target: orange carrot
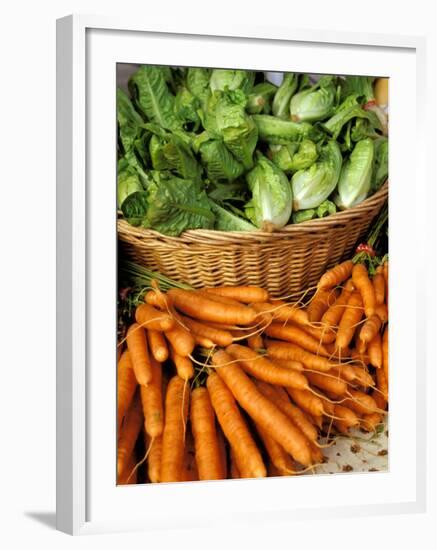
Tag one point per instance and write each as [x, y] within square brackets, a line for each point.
[200, 307]
[286, 364]
[279, 458]
[139, 354]
[222, 450]
[370, 422]
[128, 476]
[349, 321]
[332, 384]
[208, 459]
[245, 294]
[361, 357]
[379, 286]
[244, 449]
[279, 397]
[158, 299]
[262, 410]
[295, 335]
[149, 317]
[370, 329]
[375, 351]
[361, 280]
[325, 334]
[222, 338]
[173, 437]
[307, 401]
[380, 401]
[189, 469]
[354, 374]
[284, 350]
[386, 278]
[360, 402]
[129, 434]
[385, 352]
[336, 275]
[157, 345]
[184, 365]
[283, 312]
[181, 339]
[320, 303]
[154, 458]
[234, 471]
[263, 369]
[255, 342]
[382, 312]
[348, 417]
[151, 398]
[333, 314]
[126, 385]
[382, 383]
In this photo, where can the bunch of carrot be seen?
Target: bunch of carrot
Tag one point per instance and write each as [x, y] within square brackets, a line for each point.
[228, 382]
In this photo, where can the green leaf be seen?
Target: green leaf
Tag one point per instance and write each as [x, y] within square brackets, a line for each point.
[281, 101]
[128, 182]
[135, 206]
[277, 131]
[380, 170]
[349, 109]
[197, 81]
[232, 79]
[293, 156]
[356, 175]
[149, 88]
[315, 103]
[220, 163]
[326, 209]
[227, 221]
[186, 108]
[304, 215]
[224, 192]
[361, 86]
[176, 205]
[259, 100]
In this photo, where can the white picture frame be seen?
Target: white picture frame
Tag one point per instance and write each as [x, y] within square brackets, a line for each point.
[87, 499]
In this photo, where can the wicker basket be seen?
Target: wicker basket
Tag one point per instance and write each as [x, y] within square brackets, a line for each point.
[285, 262]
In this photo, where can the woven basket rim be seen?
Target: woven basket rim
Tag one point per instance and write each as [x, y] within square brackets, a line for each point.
[308, 227]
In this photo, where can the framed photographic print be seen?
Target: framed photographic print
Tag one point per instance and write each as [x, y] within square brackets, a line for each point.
[231, 328]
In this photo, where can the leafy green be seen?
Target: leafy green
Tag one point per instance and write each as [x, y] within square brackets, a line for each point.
[277, 131]
[135, 206]
[293, 156]
[281, 101]
[228, 221]
[326, 209]
[186, 108]
[149, 88]
[362, 86]
[128, 182]
[304, 215]
[356, 175]
[314, 185]
[176, 205]
[271, 202]
[232, 79]
[259, 100]
[315, 103]
[380, 170]
[197, 81]
[220, 163]
[347, 110]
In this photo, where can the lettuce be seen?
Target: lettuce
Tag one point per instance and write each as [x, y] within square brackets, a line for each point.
[219, 162]
[293, 156]
[356, 175]
[380, 170]
[315, 103]
[259, 100]
[230, 79]
[228, 221]
[281, 101]
[277, 131]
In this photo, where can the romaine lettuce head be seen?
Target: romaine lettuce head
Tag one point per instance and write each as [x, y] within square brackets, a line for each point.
[380, 170]
[186, 108]
[315, 103]
[359, 85]
[176, 205]
[281, 101]
[271, 203]
[314, 185]
[347, 110]
[356, 175]
[274, 130]
[128, 182]
[225, 220]
[293, 157]
[326, 209]
[197, 81]
[259, 100]
[304, 215]
[220, 163]
[230, 79]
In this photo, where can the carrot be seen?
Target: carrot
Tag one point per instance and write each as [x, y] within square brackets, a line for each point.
[370, 329]
[139, 354]
[332, 384]
[375, 351]
[204, 342]
[386, 278]
[356, 355]
[282, 312]
[125, 478]
[222, 450]
[333, 314]
[126, 385]
[287, 351]
[360, 402]
[307, 401]
[382, 312]
[245, 294]
[184, 365]
[151, 398]
[234, 471]
[336, 275]
[263, 369]
[382, 383]
[262, 410]
[324, 335]
[278, 457]
[208, 459]
[349, 321]
[206, 309]
[154, 458]
[181, 339]
[255, 342]
[297, 336]
[157, 345]
[354, 374]
[222, 338]
[173, 437]
[380, 401]
[361, 280]
[279, 397]
[189, 468]
[379, 286]
[158, 299]
[129, 434]
[284, 363]
[370, 422]
[244, 449]
[320, 302]
[385, 352]
[151, 318]
[348, 417]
